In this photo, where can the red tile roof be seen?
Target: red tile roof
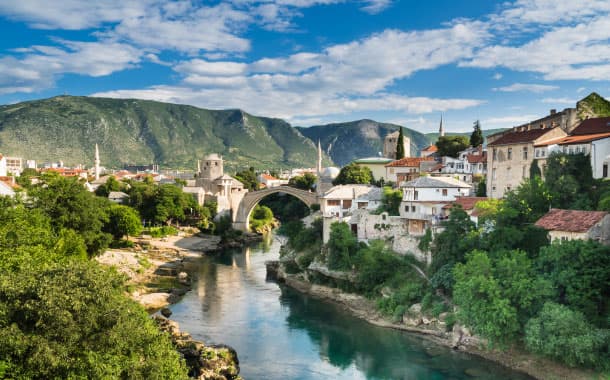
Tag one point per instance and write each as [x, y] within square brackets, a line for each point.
[409, 161]
[467, 203]
[570, 220]
[476, 158]
[431, 148]
[519, 137]
[578, 139]
[592, 126]
[268, 177]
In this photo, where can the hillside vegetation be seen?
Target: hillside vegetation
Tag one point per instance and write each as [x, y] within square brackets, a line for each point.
[345, 142]
[141, 132]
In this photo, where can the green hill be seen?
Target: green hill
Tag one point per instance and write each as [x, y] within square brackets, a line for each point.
[142, 132]
[432, 137]
[345, 142]
[593, 105]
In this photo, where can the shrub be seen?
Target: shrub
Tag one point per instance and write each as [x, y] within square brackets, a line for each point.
[565, 335]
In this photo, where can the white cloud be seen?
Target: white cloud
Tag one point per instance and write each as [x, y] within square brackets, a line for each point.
[527, 87]
[376, 6]
[559, 101]
[508, 120]
[38, 68]
[497, 76]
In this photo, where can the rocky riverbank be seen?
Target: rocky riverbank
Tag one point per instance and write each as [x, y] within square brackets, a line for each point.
[158, 272]
[434, 329]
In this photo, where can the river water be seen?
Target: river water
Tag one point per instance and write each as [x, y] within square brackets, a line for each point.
[279, 333]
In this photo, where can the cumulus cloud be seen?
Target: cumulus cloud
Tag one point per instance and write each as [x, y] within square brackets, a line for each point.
[559, 101]
[38, 67]
[526, 87]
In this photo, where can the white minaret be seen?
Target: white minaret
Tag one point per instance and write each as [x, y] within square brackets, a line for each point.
[97, 162]
[319, 168]
[441, 130]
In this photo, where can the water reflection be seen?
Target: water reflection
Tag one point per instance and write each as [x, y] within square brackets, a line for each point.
[281, 334]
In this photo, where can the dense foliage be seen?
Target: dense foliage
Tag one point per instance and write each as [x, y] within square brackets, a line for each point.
[248, 178]
[390, 201]
[61, 314]
[400, 144]
[354, 174]
[476, 138]
[261, 219]
[306, 181]
[451, 145]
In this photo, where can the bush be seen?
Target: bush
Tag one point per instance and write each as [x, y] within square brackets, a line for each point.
[159, 232]
[74, 321]
[565, 335]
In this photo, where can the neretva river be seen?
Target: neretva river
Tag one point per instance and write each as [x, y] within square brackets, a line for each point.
[279, 333]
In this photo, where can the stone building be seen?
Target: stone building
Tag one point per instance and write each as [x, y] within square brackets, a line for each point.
[390, 142]
[564, 225]
[510, 156]
[224, 189]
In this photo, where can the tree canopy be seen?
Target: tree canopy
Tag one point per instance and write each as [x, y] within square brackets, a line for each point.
[306, 181]
[451, 145]
[354, 174]
[476, 138]
[400, 145]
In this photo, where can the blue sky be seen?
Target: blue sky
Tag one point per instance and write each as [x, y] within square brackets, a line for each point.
[315, 61]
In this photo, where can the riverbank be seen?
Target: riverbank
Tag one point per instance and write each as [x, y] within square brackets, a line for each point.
[433, 329]
[159, 274]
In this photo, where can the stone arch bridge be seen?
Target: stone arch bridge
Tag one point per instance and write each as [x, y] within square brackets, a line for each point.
[241, 216]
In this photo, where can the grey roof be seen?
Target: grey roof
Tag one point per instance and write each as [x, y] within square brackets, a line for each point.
[117, 195]
[427, 181]
[350, 191]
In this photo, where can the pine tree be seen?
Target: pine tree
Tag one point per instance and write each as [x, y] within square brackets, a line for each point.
[476, 138]
[400, 145]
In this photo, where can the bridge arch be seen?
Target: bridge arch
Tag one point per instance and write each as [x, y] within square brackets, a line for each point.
[241, 216]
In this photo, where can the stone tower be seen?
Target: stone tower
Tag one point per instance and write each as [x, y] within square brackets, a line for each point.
[211, 167]
[391, 141]
[97, 162]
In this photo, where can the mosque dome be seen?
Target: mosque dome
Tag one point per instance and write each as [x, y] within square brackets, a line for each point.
[330, 172]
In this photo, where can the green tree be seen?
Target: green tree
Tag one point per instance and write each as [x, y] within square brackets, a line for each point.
[580, 273]
[73, 321]
[476, 138]
[482, 188]
[248, 178]
[306, 181]
[261, 218]
[70, 206]
[569, 178]
[451, 145]
[482, 305]
[400, 145]
[535, 169]
[390, 201]
[111, 185]
[123, 221]
[354, 174]
[342, 246]
[566, 336]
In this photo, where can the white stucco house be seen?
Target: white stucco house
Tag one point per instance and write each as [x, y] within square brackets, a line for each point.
[424, 199]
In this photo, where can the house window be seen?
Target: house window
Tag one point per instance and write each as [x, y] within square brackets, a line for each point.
[444, 192]
[525, 153]
[537, 153]
[524, 173]
[605, 171]
[383, 217]
[333, 202]
[412, 208]
[347, 203]
[495, 154]
[362, 205]
[433, 210]
[509, 154]
[493, 173]
[415, 195]
[406, 208]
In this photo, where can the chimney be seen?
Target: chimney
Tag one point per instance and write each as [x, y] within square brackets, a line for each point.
[553, 111]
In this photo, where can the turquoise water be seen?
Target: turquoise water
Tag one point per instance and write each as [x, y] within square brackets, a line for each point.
[281, 334]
